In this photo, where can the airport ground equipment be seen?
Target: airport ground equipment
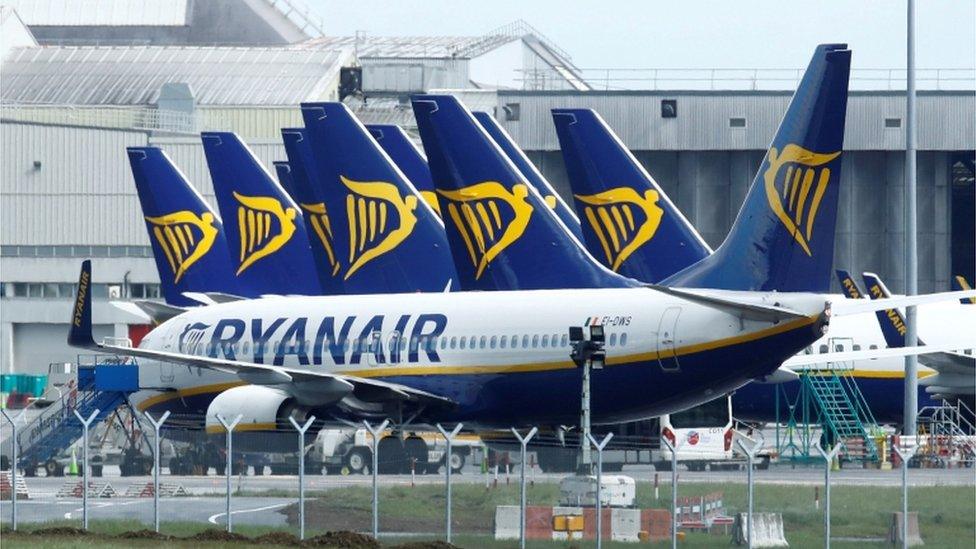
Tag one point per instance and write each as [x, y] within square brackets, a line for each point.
[946, 435]
[829, 402]
[103, 385]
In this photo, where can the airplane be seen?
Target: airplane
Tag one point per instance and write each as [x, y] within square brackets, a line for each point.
[947, 375]
[630, 224]
[959, 283]
[265, 230]
[385, 234]
[186, 235]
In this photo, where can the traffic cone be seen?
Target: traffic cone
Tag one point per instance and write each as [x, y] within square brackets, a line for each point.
[73, 468]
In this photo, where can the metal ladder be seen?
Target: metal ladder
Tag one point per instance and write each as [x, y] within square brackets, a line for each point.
[947, 431]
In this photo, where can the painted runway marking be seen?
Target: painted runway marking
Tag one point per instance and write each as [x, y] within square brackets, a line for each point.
[213, 518]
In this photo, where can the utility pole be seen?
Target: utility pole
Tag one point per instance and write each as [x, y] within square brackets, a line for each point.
[911, 236]
[587, 354]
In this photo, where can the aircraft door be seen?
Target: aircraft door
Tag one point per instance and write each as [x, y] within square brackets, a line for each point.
[666, 338]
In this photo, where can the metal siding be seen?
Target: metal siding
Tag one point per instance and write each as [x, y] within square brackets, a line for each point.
[946, 121]
[82, 174]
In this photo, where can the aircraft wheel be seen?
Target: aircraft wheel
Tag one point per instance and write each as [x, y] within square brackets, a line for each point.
[416, 452]
[391, 456]
[358, 460]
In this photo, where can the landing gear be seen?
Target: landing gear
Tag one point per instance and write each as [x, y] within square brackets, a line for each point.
[53, 469]
[358, 460]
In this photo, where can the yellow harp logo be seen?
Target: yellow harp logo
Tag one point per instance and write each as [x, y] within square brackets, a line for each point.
[184, 238]
[485, 229]
[371, 233]
[622, 220]
[323, 229]
[796, 180]
[265, 227]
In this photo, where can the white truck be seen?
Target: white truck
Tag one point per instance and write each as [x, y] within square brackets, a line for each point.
[348, 451]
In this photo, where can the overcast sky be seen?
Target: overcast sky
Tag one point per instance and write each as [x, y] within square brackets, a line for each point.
[688, 33]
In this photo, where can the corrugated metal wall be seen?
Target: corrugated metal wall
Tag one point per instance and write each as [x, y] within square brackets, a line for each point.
[413, 75]
[947, 120]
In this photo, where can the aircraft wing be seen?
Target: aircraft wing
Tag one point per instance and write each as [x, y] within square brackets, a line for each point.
[212, 298]
[849, 356]
[80, 335]
[154, 311]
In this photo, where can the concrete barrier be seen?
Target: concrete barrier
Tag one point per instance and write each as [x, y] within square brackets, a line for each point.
[895, 530]
[507, 522]
[767, 530]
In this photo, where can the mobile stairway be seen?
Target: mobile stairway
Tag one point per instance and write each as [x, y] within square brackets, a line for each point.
[828, 408]
[103, 385]
[946, 435]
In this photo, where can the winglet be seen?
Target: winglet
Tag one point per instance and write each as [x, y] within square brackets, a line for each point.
[80, 333]
[891, 321]
[848, 285]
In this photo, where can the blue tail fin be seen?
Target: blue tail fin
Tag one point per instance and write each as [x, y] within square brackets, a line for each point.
[405, 155]
[531, 173]
[502, 234]
[387, 236]
[783, 238]
[959, 283]
[187, 237]
[283, 171]
[848, 285]
[318, 221]
[265, 233]
[628, 221]
[891, 320]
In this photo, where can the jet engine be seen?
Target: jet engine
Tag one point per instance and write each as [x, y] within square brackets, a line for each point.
[264, 424]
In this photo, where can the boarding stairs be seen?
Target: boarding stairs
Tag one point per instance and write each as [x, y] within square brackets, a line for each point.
[844, 414]
[103, 385]
[946, 434]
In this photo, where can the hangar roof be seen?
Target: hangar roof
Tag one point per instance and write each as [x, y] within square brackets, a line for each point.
[410, 46]
[103, 13]
[94, 75]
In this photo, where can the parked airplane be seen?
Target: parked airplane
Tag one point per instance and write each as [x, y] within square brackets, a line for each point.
[265, 231]
[405, 155]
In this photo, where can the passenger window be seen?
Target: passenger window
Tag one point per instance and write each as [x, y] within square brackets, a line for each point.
[857, 347]
[453, 342]
[545, 340]
[502, 341]
[623, 339]
[443, 343]
[245, 347]
[525, 341]
[493, 342]
[535, 341]
[613, 340]
[872, 347]
[823, 349]
[484, 340]
[564, 340]
[463, 338]
[838, 348]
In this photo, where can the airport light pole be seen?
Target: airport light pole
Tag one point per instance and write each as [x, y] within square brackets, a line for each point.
[911, 236]
[586, 354]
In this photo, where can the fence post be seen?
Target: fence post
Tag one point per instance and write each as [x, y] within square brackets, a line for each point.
[13, 469]
[229, 429]
[674, 491]
[599, 483]
[156, 426]
[522, 451]
[376, 444]
[301, 471]
[905, 456]
[750, 454]
[447, 469]
[84, 453]
[828, 460]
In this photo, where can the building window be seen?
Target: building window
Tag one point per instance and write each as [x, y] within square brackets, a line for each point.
[513, 111]
[737, 122]
[892, 123]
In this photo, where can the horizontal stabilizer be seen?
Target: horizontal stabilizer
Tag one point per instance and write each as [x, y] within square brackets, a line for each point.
[851, 356]
[857, 306]
[746, 310]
